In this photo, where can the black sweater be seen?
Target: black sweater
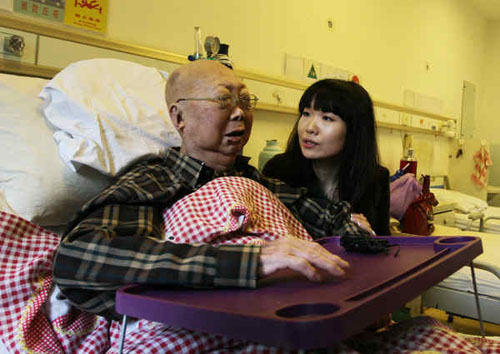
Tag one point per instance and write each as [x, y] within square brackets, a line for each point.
[374, 204]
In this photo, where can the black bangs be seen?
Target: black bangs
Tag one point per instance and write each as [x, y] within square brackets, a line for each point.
[330, 95]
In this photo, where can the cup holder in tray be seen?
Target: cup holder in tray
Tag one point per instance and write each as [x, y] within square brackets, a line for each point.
[455, 239]
[452, 242]
[302, 311]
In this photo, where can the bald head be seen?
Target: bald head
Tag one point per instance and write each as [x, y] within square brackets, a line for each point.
[211, 132]
[188, 78]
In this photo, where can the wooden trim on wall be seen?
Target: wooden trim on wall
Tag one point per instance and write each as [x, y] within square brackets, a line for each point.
[406, 128]
[411, 110]
[19, 68]
[293, 110]
[63, 32]
[274, 80]
[67, 33]
[26, 69]
[276, 108]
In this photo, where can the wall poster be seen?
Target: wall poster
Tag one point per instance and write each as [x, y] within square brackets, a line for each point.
[46, 9]
[87, 14]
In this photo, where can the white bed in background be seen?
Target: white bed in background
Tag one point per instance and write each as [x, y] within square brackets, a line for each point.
[455, 294]
[466, 212]
[486, 221]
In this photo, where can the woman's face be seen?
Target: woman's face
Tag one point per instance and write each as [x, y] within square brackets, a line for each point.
[321, 134]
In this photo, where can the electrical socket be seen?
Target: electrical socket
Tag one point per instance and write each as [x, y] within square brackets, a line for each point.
[330, 23]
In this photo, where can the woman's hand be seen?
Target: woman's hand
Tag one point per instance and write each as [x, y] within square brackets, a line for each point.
[362, 222]
[306, 257]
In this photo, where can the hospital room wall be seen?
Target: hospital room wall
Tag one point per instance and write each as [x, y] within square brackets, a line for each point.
[427, 46]
[434, 154]
[488, 122]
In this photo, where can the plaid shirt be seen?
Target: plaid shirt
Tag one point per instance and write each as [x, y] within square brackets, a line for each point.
[114, 239]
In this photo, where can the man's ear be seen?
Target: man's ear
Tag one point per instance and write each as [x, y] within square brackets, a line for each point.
[177, 118]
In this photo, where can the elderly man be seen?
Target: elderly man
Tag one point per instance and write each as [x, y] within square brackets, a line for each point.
[114, 239]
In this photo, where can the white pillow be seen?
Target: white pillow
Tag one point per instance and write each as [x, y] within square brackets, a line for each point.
[108, 112]
[463, 202]
[34, 183]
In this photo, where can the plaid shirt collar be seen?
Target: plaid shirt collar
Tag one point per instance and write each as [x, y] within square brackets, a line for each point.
[194, 172]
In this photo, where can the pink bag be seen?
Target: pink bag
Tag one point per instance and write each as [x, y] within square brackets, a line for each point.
[404, 191]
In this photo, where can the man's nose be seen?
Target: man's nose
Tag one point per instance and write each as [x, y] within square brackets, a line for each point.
[237, 114]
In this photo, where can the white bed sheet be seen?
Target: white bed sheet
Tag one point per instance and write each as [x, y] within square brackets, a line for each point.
[463, 222]
[487, 282]
[4, 206]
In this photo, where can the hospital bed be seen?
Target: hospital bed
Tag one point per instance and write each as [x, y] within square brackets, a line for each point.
[466, 212]
[487, 220]
[461, 214]
[48, 168]
[455, 294]
[47, 172]
[43, 178]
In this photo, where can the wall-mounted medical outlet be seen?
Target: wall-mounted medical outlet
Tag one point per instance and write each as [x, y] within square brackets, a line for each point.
[14, 45]
[18, 45]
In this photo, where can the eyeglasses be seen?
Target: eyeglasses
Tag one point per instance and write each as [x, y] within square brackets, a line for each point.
[247, 102]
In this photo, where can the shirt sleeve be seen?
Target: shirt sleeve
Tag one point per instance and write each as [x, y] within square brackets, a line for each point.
[115, 244]
[326, 219]
[320, 217]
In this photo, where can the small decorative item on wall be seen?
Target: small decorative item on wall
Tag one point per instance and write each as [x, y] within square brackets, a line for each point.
[87, 14]
[47, 9]
[309, 70]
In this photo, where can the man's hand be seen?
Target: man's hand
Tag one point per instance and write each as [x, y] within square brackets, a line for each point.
[306, 257]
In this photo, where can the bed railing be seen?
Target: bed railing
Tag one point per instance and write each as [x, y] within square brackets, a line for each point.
[483, 220]
[487, 267]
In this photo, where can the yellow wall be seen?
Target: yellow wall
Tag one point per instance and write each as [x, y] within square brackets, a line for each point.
[488, 122]
[387, 42]
[427, 46]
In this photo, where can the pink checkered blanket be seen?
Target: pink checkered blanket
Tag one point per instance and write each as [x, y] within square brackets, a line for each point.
[230, 210]
[35, 318]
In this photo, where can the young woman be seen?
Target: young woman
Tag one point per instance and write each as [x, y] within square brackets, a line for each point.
[333, 151]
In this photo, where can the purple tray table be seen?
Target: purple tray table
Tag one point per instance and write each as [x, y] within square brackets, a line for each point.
[288, 311]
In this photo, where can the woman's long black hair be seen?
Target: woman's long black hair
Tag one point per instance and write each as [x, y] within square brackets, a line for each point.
[359, 157]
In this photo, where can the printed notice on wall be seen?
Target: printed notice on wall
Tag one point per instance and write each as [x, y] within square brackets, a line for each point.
[88, 14]
[46, 9]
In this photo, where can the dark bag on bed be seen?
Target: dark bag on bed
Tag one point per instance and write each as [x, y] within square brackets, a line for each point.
[419, 215]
